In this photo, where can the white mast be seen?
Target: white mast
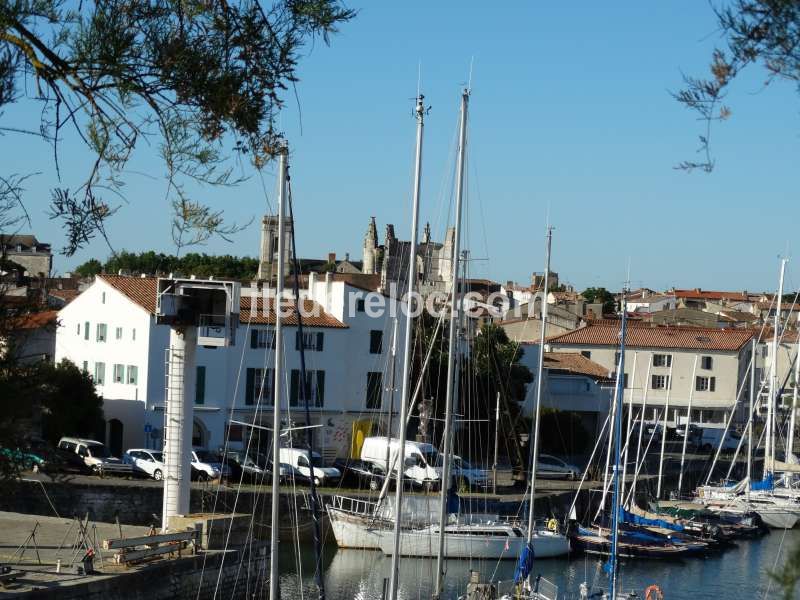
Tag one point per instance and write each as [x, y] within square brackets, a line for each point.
[664, 432]
[419, 113]
[628, 428]
[274, 590]
[534, 438]
[790, 443]
[641, 429]
[451, 355]
[769, 457]
[750, 424]
[692, 385]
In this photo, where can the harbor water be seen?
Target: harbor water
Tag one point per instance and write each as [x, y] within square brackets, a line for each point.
[738, 572]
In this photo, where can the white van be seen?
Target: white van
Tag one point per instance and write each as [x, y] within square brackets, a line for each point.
[95, 455]
[419, 466]
[299, 462]
[709, 438]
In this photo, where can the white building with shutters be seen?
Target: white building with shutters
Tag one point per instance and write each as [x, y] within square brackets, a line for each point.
[110, 331]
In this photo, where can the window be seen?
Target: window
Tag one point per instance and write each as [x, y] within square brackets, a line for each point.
[86, 330]
[374, 389]
[586, 353]
[86, 366]
[624, 380]
[118, 333]
[375, 341]
[705, 384]
[119, 373]
[616, 358]
[706, 362]
[99, 373]
[133, 374]
[260, 383]
[133, 334]
[312, 340]
[103, 298]
[79, 328]
[262, 338]
[360, 304]
[314, 389]
[200, 387]
[101, 332]
[662, 360]
[660, 382]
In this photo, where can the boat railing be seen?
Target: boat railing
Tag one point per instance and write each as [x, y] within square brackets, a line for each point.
[357, 506]
[542, 589]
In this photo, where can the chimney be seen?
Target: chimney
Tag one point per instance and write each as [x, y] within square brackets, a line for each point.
[331, 257]
[347, 256]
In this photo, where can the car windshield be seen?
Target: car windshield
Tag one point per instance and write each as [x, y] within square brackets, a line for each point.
[205, 456]
[158, 456]
[98, 451]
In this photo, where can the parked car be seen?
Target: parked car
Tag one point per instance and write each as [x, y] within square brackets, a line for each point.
[552, 467]
[21, 460]
[419, 463]
[207, 465]
[301, 460]
[243, 467]
[709, 438]
[467, 476]
[149, 462]
[360, 473]
[95, 455]
[55, 459]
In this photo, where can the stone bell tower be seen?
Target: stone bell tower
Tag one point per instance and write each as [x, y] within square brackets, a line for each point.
[369, 265]
[268, 260]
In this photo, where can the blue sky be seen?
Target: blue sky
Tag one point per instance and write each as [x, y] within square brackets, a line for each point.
[570, 113]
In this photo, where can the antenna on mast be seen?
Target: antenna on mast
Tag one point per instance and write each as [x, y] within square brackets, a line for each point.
[469, 81]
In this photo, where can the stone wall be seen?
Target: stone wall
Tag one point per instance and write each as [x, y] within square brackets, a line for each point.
[193, 577]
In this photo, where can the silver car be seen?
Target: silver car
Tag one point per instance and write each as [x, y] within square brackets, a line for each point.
[552, 467]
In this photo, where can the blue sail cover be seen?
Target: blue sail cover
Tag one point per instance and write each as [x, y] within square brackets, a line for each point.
[524, 564]
[765, 484]
[629, 517]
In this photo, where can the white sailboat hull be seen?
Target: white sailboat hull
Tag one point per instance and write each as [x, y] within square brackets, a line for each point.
[354, 530]
[778, 519]
[424, 543]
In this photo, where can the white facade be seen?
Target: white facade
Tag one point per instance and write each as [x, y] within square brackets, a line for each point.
[128, 362]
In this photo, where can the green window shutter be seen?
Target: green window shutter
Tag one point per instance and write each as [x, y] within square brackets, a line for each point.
[254, 338]
[320, 388]
[200, 387]
[250, 386]
[319, 341]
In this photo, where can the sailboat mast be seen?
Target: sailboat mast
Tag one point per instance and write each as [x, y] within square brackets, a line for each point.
[274, 590]
[790, 442]
[641, 429]
[419, 113]
[750, 424]
[534, 438]
[451, 354]
[692, 385]
[629, 426]
[612, 559]
[664, 432]
[769, 458]
[390, 411]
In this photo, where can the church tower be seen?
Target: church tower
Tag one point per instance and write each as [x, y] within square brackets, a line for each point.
[370, 248]
[268, 260]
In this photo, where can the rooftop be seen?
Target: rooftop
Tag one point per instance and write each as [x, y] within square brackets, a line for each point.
[642, 335]
[698, 294]
[142, 291]
[574, 362]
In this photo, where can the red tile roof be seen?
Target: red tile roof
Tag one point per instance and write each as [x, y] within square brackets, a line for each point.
[573, 362]
[698, 294]
[142, 291]
[35, 320]
[66, 295]
[654, 336]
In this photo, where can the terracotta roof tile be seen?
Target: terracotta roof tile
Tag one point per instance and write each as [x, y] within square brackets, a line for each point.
[574, 362]
[66, 295]
[654, 336]
[142, 290]
[710, 295]
[35, 320]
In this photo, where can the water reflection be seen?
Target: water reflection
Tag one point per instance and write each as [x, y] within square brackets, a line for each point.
[359, 574]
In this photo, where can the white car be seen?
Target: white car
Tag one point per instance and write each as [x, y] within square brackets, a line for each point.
[95, 455]
[207, 465]
[150, 462]
[300, 462]
[551, 467]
